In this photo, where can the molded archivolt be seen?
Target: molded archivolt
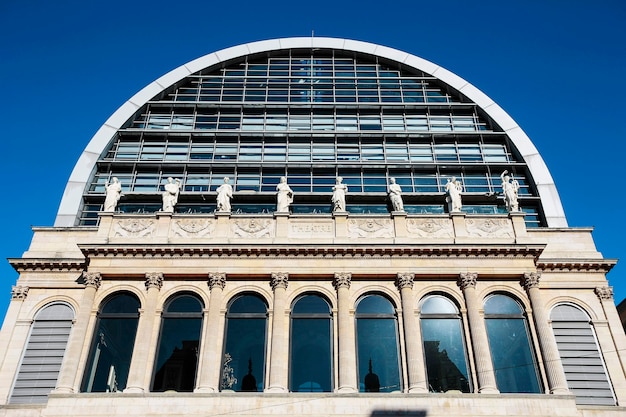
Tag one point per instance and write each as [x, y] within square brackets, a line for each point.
[546, 189]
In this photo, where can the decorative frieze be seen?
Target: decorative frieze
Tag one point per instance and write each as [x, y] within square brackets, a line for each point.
[604, 293]
[494, 228]
[193, 227]
[134, 227]
[217, 279]
[92, 279]
[253, 228]
[279, 280]
[154, 280]
[19, 292]
[370, 228]
[467, 280]
[342, 280]
[405, 280]
[430, 228]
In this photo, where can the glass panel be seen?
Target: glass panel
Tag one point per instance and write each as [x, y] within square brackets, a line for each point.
[501, 304]
[378, 361]
[444, 349]
[438, 305]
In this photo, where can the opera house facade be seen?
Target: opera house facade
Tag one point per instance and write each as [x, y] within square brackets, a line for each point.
[316, 227]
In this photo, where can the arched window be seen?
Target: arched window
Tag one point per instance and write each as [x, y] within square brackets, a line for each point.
[582, 362]
[513, 359]
[112, 344]
[310, 367]
[243, 361]
[177, 354]
[42, 359]
[444, 345]
[377, 345]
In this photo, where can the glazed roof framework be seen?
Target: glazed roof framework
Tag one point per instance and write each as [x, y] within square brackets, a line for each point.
[72, 197]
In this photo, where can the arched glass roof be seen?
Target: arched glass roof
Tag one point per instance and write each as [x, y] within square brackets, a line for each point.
[310, 109]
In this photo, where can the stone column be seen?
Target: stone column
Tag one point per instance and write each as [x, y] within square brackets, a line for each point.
[345, 324]
[279, 357]
[140, 370]
[612, 340]
[412, 334]
[557, 383]
[480, 343]
[68, 376]
[211, 348]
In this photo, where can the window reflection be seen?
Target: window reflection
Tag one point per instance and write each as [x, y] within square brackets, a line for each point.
[444, 347]
[311, 345]
[112, 345]
[377, 345]
[513, 359]
[177, 356]
[243, 361]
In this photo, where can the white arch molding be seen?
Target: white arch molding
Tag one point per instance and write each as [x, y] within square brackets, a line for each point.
[72, 196]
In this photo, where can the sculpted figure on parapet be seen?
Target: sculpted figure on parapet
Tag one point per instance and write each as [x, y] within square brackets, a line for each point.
[113, 194]
[339, 195]
[171, 190]
[510, 188]
[395, 195]
[284, 196]
[224, 194]
[453, 197]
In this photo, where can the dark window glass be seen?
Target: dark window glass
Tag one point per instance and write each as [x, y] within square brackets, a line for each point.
[112, 345]
[444, 347]
[311, 345]
[377, 345]
[513, 359]
[177, 356]
[243, 361]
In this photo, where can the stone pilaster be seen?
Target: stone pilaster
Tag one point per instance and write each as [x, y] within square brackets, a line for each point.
[68, 379]
[612, 340]
[140, 368]
[480, 343]
[412, 332]
[557, 383]
[209, 372]
[279, 357]
[345, 324]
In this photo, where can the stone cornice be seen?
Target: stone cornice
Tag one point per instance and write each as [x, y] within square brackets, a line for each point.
[576, 265]
[48, 264]
[324, 251]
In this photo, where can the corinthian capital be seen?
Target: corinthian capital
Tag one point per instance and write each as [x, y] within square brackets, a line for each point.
[19, 292]
[279, 280]
[467, 280]
[531, 280]
[342, 280]
[92, 279]
[217, 279]
[604, 293]
[154, 280]
[405, 280]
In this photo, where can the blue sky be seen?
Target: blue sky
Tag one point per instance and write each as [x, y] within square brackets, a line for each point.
[558, 67]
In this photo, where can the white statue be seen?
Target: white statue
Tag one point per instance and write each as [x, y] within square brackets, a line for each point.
[510, 188]
[113, 192]
[170, 194]
[453, 197]
[395, 195]
[284, 196]
[339, 195]
[224, 194]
